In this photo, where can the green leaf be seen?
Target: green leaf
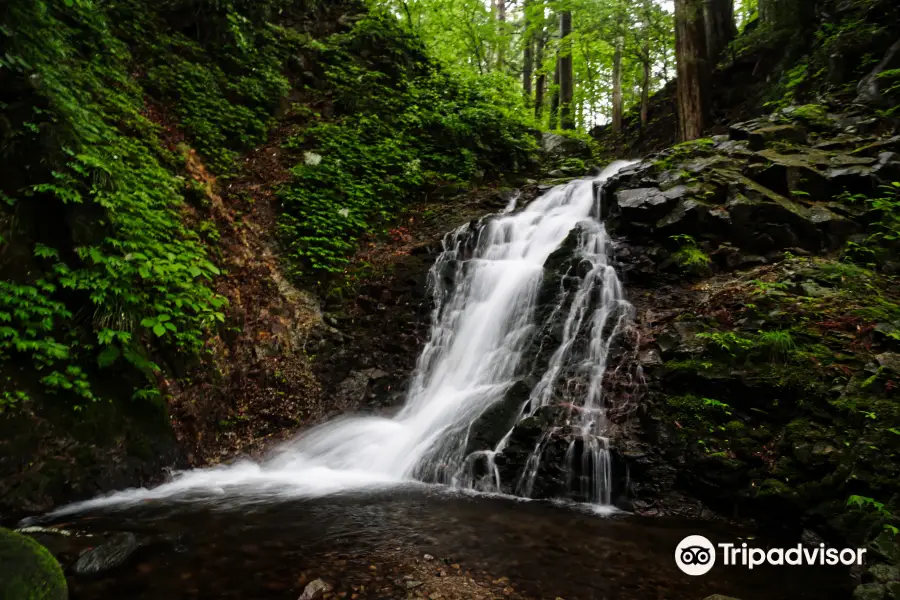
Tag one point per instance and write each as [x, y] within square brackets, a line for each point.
[108, 356]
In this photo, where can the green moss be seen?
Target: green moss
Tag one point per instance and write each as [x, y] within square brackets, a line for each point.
[735, 426]
[812, 114]
[28, 571]
[696, 413]
[775, 488]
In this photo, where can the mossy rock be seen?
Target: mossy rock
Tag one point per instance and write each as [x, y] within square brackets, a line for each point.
[28, 571]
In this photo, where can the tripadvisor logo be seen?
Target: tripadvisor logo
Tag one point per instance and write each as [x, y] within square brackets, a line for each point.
[696, 555]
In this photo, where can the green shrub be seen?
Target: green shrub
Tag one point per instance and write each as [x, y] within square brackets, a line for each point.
[114, 269]
[401, 124]
[689, 256]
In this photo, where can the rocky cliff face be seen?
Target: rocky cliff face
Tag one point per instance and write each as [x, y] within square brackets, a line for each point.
[766, 312]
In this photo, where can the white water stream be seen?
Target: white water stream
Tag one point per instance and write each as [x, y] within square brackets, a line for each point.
[483, 320]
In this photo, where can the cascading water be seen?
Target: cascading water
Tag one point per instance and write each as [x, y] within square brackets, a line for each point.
[486, 285]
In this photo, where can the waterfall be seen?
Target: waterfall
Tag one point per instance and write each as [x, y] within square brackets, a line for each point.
[485, 286]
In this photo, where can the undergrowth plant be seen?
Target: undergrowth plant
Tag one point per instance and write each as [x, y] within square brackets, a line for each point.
[689, 255]
[114, 272]
[401, 124]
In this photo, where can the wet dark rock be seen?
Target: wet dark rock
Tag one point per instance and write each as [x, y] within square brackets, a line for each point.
[856, 179]
[646, 205]
[887, 168]
[494, 423]
[883, 573]
[871, 87]
[109, 555]
[890, 361]
[794, 173]
[811, 539]
[693, 216]
[870, 591]
[761, 138]
[742, 131]
[513, 462]
[886, 546]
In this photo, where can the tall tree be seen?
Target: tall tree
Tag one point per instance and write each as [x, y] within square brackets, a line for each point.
[541, 82]
[566, 75]
[718, 17]
[501, 34]
[618, 107]
[693, 69]
[527, 55]
[554, 97]
[646, 66]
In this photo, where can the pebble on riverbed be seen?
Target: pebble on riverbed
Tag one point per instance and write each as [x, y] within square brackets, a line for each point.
[315, 590]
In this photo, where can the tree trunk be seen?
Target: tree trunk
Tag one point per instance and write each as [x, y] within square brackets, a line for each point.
[566, 84]
[646, 65]
[554, 98]
[766, 9]
[527, 58]
[786, 15]
[617, 102]
[693, 69]
[645, 89]
[718, 16]
[501, 21]
[541, 82]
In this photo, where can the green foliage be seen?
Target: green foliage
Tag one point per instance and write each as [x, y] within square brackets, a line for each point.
[127, 271]
[697, 413]
[224, 93]
[468, 36]
[779, 343]
[730, 342]
[689, 256]
[768, 287]
[870, 505]
[813, 116]
[402, 124]
[883, 241]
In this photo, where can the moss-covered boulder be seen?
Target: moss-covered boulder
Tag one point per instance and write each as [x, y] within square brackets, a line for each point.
[28, 571]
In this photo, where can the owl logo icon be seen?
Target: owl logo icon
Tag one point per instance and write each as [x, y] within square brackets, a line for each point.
[695, 555]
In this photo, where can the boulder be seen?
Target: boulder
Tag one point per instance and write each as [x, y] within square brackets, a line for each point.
[761, 138]
[870, 591]
[870, 87]
[556, 148]
[887, 168]
[496, 421]
[742, 131]
[764, 220]
[856, 179]
[794, 173]
[883, 573]
[28, 571]
[693, 216]
[646, 205]
[113, 553]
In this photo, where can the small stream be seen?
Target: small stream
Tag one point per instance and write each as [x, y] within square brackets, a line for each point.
[363, 544]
